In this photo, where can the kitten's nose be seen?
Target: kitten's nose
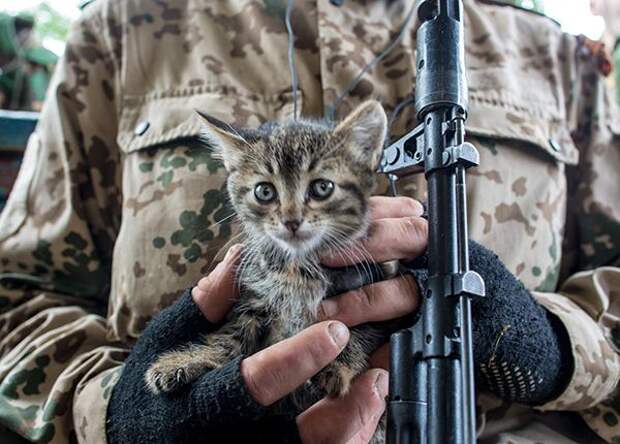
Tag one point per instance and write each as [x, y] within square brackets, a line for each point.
[292, 225]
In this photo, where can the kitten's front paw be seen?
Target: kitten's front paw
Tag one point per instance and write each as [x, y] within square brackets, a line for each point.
[336, 379]
[167, 374]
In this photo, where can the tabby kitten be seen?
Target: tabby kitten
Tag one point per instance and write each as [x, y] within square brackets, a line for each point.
[300, 188]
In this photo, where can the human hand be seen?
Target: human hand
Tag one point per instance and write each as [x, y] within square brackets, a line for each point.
[397, 232]
[274, 372]
[231, 403]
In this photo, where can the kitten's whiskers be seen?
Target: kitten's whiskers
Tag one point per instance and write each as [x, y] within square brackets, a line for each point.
[233, 215]
[342, 248]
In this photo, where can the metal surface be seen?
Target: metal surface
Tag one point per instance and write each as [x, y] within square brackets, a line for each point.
[431, 374]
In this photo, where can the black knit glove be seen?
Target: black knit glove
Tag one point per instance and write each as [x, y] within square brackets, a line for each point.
[215, 408]
[522, 352]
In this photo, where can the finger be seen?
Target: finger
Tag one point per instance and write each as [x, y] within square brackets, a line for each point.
[365, 435]
[382, 207]
[384, 300]
[388, 239]
[348, 415]
[276, 371]
[381, 358]
[215, 294]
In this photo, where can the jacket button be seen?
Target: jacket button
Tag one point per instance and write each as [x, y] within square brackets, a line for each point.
[555, 146]
[141, 128]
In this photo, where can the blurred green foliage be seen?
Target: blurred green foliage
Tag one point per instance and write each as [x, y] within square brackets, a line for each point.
[49, 23]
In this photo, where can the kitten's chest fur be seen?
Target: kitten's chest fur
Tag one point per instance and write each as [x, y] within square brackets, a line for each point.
[286, 294]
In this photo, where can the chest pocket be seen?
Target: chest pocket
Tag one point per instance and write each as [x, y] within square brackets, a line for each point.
[522, 104]
[518, 194]
[176, 214]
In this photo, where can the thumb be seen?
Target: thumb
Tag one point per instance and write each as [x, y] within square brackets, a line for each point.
[216, 293]
[352, 418]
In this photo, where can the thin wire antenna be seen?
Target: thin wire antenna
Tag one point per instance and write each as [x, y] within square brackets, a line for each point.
[331, 113]
[291, 55]
[397, 110]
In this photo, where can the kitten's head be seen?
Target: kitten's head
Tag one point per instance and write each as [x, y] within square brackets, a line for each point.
[302, 186]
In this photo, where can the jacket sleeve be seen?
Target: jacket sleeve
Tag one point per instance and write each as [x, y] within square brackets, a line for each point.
[56, 239]
[588, 301]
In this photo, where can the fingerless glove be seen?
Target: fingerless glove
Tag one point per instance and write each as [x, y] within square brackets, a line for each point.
[216, 408]
[522, 352]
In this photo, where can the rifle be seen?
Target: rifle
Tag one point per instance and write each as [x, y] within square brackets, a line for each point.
[431, 396]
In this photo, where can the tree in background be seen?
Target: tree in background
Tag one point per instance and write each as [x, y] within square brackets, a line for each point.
[50, 24]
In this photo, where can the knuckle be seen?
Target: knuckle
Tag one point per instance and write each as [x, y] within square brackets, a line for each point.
[201, 297]
[196, 291]
[204, 283]
[364, 297]
[416, 228]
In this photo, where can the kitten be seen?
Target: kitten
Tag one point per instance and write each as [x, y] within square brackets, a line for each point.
[299, 188]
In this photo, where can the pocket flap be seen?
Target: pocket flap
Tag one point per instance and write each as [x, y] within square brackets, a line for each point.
[159, 118]
[544, 130]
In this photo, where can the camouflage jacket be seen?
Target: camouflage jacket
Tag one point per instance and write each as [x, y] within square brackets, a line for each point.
[116, 209]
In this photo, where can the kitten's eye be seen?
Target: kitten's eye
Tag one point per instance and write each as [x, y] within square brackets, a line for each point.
[321, 189]
[265, 192]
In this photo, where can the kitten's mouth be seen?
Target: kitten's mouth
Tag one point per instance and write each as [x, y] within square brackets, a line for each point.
[299, 242]
[296, 237]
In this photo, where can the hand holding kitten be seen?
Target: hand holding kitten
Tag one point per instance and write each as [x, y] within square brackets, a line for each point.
[302, 189]
[397, 231]
[274, 372]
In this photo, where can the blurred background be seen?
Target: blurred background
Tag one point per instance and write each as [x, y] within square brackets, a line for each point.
[33, 34]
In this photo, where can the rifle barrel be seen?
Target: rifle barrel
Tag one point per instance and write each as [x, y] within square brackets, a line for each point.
[432, 380]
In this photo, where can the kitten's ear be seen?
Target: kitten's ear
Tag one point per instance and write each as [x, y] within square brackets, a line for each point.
[227, 143]
[364, 131]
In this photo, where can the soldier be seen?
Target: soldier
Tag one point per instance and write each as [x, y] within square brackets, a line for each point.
[24, 64]
[116, 210]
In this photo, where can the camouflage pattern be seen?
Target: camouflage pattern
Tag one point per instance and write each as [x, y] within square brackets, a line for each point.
[116, 209]
[531, 5]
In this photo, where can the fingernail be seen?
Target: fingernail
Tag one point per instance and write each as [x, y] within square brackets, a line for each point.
[339, 333]
[382, 384]
[329, 308]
